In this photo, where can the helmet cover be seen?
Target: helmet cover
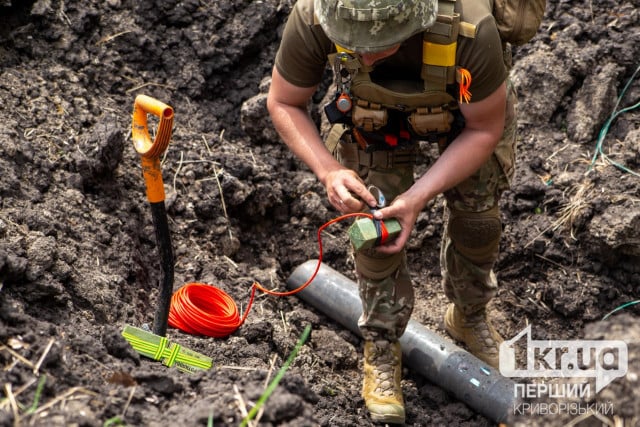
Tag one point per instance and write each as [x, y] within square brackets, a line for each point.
[374, 25]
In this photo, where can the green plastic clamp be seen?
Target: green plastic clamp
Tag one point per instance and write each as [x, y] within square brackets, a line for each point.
[159, 348]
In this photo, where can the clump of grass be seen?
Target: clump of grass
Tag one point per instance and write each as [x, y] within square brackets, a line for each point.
[572, 210]
[276, 380]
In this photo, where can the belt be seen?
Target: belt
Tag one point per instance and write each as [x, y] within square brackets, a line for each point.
[386, 159]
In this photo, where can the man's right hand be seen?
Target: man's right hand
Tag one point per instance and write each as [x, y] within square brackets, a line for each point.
[347, 192]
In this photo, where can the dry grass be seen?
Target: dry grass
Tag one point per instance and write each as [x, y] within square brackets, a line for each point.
[242, 405]
[112, 37]
[579, 200]
[24, 414]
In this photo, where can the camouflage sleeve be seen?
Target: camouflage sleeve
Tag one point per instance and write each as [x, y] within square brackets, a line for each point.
[302, 55]
[483, 57]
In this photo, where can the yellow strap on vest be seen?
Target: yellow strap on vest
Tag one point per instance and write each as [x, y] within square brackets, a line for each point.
[439, 48]
[443, 55]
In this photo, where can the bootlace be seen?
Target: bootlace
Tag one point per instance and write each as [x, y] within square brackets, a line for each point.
[384, 362]
[482, 330]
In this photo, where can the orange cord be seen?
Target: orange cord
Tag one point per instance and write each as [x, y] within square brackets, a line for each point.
[199, 308]
[465, 83]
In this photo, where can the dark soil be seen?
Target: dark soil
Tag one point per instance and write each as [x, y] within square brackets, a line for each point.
[78, 253]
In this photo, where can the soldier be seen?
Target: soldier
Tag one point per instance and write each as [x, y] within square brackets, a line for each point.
[406, 71]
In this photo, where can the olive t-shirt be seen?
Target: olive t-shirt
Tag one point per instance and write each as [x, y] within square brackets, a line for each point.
[302, 56]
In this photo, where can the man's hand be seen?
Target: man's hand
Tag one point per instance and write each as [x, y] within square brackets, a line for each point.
[347, 192]
[406, 213]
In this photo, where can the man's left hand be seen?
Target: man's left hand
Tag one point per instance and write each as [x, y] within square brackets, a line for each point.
[406, 213]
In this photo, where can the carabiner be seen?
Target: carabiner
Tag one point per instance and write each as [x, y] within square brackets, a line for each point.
[381, 201]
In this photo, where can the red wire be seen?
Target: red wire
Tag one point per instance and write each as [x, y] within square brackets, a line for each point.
[202, 309]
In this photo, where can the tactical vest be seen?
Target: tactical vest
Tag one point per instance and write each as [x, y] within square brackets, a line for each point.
[430, 110]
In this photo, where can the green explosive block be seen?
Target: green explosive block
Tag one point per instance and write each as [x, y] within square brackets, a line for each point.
[363, 232]
[159, 348]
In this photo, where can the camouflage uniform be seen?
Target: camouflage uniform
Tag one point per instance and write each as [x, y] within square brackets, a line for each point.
[408, 83]
[470, 240]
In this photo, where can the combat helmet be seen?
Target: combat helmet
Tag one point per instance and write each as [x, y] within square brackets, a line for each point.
[374, 25]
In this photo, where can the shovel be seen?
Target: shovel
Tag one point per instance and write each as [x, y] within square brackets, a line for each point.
[156, 345]
[150, 152]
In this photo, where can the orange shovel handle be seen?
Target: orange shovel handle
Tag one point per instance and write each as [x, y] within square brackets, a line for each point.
[151, 150]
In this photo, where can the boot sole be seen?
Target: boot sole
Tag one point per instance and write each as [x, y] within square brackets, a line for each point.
[394, 415]
[391, 419]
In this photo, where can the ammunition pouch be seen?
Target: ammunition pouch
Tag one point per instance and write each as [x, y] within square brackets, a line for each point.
[426, 121]
[369, 116]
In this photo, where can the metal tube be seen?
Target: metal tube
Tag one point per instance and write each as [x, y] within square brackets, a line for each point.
[440, 361]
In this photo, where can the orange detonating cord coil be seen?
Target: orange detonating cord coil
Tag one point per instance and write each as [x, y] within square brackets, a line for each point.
[202, 309]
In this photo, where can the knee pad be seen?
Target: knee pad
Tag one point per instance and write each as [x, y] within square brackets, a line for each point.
[476, 235]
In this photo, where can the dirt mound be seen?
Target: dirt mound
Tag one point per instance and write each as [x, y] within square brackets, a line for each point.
[78, 254]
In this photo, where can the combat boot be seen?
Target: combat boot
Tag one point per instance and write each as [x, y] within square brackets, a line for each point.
[475, 330]
[381, 387]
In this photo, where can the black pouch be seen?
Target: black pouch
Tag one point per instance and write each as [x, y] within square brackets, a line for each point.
[333, 113]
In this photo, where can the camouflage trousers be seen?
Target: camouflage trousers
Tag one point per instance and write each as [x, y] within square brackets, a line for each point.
[470, 241]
